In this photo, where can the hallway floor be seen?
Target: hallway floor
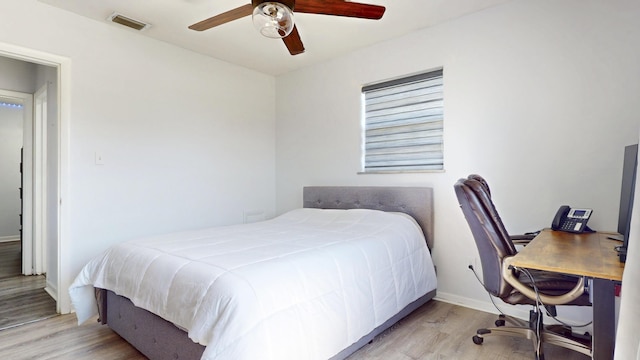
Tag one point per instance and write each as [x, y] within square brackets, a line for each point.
[22, 298]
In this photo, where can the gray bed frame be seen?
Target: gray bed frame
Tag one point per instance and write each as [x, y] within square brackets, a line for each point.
[159, 339]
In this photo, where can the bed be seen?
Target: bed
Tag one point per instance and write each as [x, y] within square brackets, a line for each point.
[314, 283]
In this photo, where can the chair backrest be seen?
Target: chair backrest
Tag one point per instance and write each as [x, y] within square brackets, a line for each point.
[491, 237]
[482, 181]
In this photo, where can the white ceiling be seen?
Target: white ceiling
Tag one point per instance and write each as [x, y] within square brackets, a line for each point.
[238, 42]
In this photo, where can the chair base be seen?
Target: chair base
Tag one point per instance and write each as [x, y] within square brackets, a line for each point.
[553, 334]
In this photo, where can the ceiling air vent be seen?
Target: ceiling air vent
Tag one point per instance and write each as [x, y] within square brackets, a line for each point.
[128, 22]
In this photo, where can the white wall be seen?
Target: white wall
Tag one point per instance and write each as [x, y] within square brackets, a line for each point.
[540, 98]
[181, 147]
[17, 75]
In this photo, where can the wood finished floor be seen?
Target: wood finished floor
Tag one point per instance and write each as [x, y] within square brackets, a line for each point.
[22, 298]
[10, 259]
[438, 330]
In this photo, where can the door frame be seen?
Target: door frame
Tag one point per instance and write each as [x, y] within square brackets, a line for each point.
[40, 182]
[62, 64]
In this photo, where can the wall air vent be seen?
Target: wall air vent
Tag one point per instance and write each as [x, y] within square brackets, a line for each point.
[128, 22]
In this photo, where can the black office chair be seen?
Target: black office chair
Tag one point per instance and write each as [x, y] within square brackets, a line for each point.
[520, 239]
[516, 286]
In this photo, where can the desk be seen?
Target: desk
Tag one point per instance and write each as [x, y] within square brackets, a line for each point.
[591, 255]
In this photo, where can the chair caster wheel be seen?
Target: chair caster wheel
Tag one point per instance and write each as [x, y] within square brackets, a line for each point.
[477, 340]
[500, 322]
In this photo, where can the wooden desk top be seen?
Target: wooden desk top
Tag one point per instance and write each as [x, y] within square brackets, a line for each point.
[588, 254]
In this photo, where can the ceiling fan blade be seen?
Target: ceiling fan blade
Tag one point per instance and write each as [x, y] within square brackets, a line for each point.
[340, 8]
[293, 42]
[223, 18]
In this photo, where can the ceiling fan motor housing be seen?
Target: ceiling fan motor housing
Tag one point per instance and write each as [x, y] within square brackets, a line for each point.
[288, 3]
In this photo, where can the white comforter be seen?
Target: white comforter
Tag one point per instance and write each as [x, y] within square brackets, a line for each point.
[304, 285]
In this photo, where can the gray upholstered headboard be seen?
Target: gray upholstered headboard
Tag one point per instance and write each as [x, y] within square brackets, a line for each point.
[415, 201]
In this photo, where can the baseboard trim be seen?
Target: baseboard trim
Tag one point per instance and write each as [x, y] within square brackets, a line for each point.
[517, 311]
[485, 306]
[9, 238]
[51, 290]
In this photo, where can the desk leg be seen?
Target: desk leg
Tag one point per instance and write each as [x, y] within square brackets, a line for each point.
[603, 319]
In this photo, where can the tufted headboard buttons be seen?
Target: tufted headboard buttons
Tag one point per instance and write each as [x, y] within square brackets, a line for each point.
[415, 201]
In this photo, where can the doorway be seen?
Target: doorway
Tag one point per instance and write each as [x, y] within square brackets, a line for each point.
[23, 297]
[12, 119]
[34, 293]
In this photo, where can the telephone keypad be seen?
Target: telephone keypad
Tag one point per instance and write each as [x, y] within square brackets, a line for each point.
[571, 225]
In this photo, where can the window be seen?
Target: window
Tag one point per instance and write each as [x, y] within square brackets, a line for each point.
[403, 122]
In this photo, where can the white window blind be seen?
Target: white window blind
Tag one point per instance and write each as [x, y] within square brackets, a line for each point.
[403, 124]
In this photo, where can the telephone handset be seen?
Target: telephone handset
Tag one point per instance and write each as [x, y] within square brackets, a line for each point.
[571, 220]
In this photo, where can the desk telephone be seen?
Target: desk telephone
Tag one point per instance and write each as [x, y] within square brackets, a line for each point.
[571, 220]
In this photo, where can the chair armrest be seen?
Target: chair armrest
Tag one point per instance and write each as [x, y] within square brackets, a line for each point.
[528, 237]
[569, 296]
[523, 240]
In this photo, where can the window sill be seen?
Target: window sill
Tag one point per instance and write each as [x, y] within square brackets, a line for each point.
[399, 172]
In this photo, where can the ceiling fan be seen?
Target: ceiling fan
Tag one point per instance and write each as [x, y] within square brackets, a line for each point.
[274, 19]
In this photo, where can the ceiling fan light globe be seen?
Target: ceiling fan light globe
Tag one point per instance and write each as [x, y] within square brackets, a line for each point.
[273, 19]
